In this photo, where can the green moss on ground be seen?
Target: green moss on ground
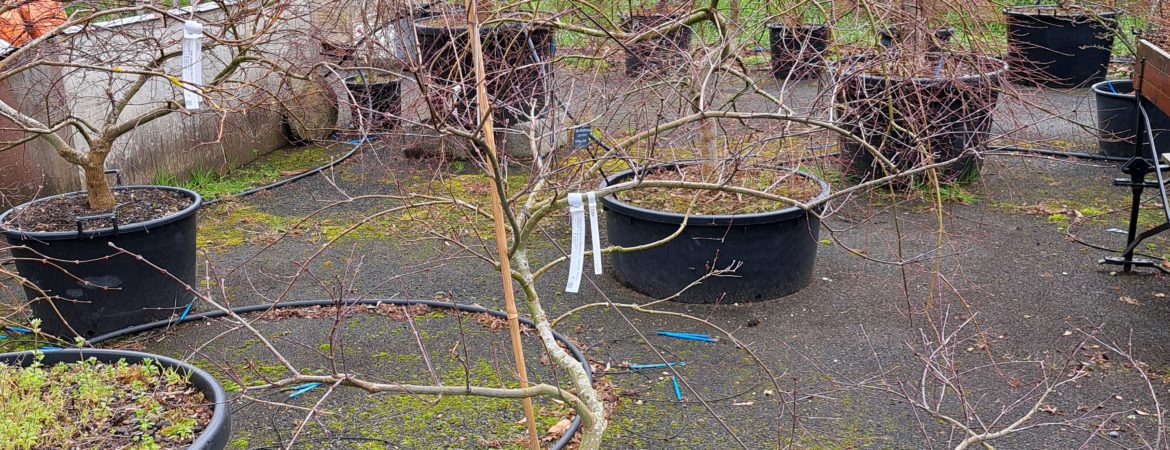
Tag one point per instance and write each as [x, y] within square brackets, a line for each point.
[278, 164]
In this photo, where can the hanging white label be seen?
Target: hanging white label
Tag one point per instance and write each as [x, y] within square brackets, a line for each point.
[577, 250]
[595, 232]
[192, 63]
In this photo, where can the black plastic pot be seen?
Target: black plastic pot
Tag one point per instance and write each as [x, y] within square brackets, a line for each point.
[516, 61]
[778, 250]
[950, 118]
[798, 52]
[1117, 120]
[214, 436]
[106, 290]
[380, 104]
[889, 36]
[1061, 50]
[658, 53]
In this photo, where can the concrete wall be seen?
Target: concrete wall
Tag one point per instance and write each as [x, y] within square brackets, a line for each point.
[246, 125]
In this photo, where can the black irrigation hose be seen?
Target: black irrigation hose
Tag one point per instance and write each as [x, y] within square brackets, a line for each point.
[564, 440]
[357, 143]
[1058, 153]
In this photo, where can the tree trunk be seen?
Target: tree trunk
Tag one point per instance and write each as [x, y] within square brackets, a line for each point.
[97, 187]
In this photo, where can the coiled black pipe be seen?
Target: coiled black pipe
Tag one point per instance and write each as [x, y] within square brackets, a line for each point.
[357, 143]
[1058, 153]
[560, 444]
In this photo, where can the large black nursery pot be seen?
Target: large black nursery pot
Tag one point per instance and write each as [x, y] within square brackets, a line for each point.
[379, 101]
[517, 59]
[94, 288]
[658, 53]
[213, 437]
[798, 52]
[1117, 116]
[913, 121]
[777, 248]
[1061, 49]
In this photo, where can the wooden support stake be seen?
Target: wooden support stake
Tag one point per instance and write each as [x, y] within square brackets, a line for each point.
[484, 111]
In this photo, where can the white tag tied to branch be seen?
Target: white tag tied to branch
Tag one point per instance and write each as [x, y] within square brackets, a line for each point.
[594, 231]
[577, 248]
[192, 63]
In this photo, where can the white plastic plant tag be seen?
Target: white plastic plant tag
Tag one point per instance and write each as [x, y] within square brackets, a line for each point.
[595, 232]
[192, 63]
[577, 255]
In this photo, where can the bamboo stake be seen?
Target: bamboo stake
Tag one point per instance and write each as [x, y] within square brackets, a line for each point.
[489, 138]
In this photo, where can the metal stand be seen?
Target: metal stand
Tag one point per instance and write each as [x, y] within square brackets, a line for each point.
[1138, 167]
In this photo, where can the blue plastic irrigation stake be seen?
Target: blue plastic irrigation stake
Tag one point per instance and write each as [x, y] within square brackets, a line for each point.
[655, 366]
[366, 138]
[687, 336]
[677, 391]
[303, 389]
[19, 329]
[186, 310]
[49, 347]
[3, 336]
[1111, 88]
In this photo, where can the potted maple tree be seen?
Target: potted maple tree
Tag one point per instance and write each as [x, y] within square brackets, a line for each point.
[107, 257]
[916, 111]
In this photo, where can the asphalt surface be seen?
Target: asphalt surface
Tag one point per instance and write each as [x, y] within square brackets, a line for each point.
[973, 309]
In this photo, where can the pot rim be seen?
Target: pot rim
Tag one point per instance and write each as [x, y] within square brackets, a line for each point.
[1105, 11]
[802, 25]
[653, 215]
[843, 65]
[1099, 89]
[352, 80]
[196, 203]
[214, 393]
[436, 30]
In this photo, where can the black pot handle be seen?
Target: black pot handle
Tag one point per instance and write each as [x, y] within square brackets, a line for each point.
[117, 176]
[107, 216]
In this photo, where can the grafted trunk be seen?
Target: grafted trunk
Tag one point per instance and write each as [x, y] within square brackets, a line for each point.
[97, 187]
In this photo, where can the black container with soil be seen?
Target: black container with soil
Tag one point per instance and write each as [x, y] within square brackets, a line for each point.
[1117, 116]
[218, 430]
[1058, 48]
[515, 80]
[379, 101]
[777, 248]
[798, 52]
[933, 119]
[93, 287]
[657, 53]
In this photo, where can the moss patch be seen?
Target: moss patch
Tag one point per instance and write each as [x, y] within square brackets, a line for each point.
[278, 164]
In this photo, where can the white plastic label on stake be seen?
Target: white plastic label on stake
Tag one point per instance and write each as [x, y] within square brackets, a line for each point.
[192, 63]
[595, 232]
[577, 255]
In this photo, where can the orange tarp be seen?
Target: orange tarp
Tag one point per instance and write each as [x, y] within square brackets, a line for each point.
[29, 19]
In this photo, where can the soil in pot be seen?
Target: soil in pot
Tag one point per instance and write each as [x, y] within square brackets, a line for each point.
[656, 53]
[379, 100]
[712, 202]
[798, 52]
[943, 117]
[773, 251]
[60, 213]
[86, 287]
[1059, 48]
[91, 404]
[1117, 117]
[515, 80]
